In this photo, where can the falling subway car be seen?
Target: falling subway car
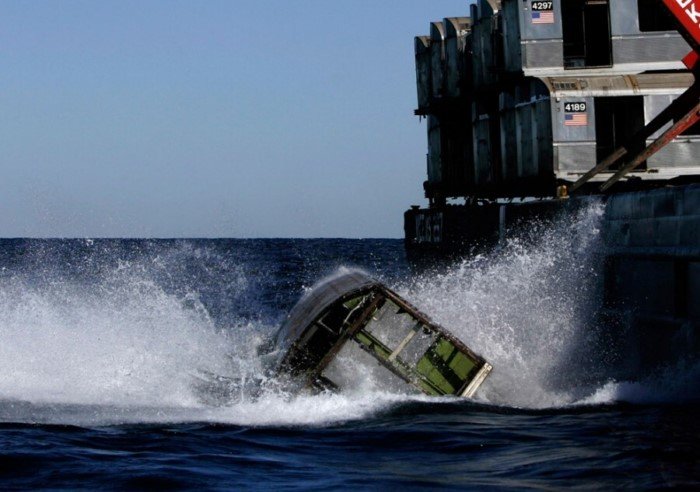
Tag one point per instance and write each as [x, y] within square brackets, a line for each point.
[351, 327]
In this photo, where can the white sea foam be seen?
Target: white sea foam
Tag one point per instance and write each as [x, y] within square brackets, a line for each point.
[131, 345]
[524, 308]
[128, 350]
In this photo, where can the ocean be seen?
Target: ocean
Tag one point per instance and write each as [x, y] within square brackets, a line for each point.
[104, 344]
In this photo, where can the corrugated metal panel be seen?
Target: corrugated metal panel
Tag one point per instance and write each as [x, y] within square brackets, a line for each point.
[624, 17]
[536, 47]
[676, 155]
[544, 140]
[456, 154]
[524, 124]
[434, 150]
[483, 44]
[663, 51]
[457, 73]
[437, 56]
[653, 105]
[509, 142]
[543, 54]
[482, 151]
[512, 53]
[578, 157]
[423, 73]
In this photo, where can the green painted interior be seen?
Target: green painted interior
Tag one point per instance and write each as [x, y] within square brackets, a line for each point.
[443, 370]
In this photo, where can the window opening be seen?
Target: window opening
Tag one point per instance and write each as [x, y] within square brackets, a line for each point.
[617, 119]
[655, 16]
[586, 30]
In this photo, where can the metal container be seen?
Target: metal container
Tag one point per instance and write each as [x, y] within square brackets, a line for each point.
[484, 155]
[437, 57]
[351, 328]
[557, 128]
[423, 72]
[450, 155]
[457, 59]
[509, 139]
[485, 68]
[578, 147]
[562, 37]
[434, 151]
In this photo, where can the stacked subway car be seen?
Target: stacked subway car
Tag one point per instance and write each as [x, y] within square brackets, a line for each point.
[523, 97]
[525, 101]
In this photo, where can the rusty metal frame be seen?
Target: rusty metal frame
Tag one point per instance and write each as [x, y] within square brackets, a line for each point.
[375, 304]
[678, 109]
[381, 295]
[692, 117]
[685, 110]
[480, 361]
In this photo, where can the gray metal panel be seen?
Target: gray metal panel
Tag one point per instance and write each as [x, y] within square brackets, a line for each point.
[509, 142]
[477, 42]
[542, 44]
[543, 54]
[578, 158]
[456, 31]
[678, 154]
[664, 49]
[624, 17]
[538, 31]
[526, 131]
[524, 124]
[437, 57]
[434, 150]
[563, 133]
[657, 210]
[544, 155]
[423, 74]
[619, 85]
[482, 151]
[674, 83]
[482, 44]
[653, 105]
[512, 52]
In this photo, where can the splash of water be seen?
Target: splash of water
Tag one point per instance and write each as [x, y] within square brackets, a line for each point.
[131, 347]
[124, 342]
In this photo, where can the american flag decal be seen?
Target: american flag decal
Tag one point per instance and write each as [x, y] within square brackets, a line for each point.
[576, 119]
[576, 113]
[546, 17]
[542, 12]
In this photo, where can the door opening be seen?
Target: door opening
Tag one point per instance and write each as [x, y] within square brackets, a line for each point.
[616, 120]
[586, 30]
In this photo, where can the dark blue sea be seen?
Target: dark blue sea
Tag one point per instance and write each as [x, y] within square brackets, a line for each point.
[105, 345]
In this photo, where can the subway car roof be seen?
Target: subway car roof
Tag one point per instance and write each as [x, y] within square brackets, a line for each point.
[618, 85]
[317, 300]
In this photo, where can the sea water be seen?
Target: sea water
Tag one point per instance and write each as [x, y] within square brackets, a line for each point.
[115, 356]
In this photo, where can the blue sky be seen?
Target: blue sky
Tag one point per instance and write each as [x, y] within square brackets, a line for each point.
[236, 118]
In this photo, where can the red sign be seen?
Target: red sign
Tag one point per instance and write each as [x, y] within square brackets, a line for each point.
[688, 13]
